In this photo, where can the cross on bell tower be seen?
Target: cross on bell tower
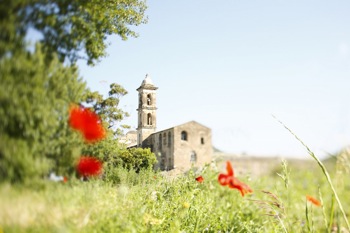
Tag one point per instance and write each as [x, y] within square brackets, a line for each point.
[147, 114]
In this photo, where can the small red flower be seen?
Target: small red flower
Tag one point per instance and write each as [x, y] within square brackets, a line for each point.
[313, 200]
[87, 122]
[89, 166]
[200, 179]
[232, 182]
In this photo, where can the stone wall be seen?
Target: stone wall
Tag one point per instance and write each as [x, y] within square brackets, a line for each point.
[198, 145]
[173, 151]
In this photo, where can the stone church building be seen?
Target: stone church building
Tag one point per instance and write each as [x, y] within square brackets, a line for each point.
[181, 147]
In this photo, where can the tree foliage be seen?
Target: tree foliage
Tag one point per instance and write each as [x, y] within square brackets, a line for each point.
[73, 29]
[137, 158]
[38, 87]
[132, 159]
[35, 97]
[108, 108]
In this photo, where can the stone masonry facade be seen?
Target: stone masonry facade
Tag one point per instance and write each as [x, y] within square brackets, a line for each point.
[180, 147]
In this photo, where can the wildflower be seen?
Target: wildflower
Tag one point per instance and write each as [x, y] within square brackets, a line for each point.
[313, 200]
[232, 182]
[186, 205]
[87, 122]
[200, 179]
[89, 166]
[151, 220]
[154, 195]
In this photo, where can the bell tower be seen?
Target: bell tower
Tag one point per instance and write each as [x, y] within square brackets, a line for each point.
[147, 115]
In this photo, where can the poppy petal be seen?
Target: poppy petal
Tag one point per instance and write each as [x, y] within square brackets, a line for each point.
[313, 200]
[223, 179]
[75, 117]
[87, 122]
[229, 169]
[200, 179]
[89, 166]
[240, 186]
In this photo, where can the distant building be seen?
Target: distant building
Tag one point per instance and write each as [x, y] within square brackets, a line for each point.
[179, 147]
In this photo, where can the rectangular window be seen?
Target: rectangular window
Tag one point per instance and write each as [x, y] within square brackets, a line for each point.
[184, 136]
[202, 140]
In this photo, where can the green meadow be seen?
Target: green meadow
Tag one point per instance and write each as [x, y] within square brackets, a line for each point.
[151, 201]
[50, 119]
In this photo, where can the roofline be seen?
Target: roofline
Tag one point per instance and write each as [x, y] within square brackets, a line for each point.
[147, 87]
[193, 122]
[180, 125]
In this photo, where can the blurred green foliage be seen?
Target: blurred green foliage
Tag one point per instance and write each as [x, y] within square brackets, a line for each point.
[151, 201]
[35, 137]
[39, 84]
[73, 29]
[116, 156]
[35, 97]
[137, 158]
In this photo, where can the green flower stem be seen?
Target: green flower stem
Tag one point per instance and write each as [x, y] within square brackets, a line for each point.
[324, 170]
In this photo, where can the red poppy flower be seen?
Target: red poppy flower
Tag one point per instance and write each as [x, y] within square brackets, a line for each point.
[313, 200]
[200, 179]
[87, 122]
[232, 182]
[89, 166]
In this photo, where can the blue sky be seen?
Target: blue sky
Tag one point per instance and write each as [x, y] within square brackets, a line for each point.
[230, 65]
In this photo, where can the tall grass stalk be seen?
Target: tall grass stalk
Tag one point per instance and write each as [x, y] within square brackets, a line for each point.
[331, 217]
[308, 215]
[285, 177]
[324, 211]
[282, 224]
[324, 170]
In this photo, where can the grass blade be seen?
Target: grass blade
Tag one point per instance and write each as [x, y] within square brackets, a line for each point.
[324, 170]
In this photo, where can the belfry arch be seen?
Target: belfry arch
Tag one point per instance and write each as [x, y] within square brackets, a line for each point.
[147, 110]
[149, 119]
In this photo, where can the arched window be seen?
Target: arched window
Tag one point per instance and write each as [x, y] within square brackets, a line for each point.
[160, 141]
[202, 140]
[149, 99]
[169, 139]
[164, 139]
[149, 119]
[193, 158]
[184, 136]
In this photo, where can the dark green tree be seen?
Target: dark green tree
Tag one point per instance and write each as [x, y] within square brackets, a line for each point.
[137, 158]
[108, 108]
[123, 159]
[35, 97]
[38, 87]
[74, 29]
